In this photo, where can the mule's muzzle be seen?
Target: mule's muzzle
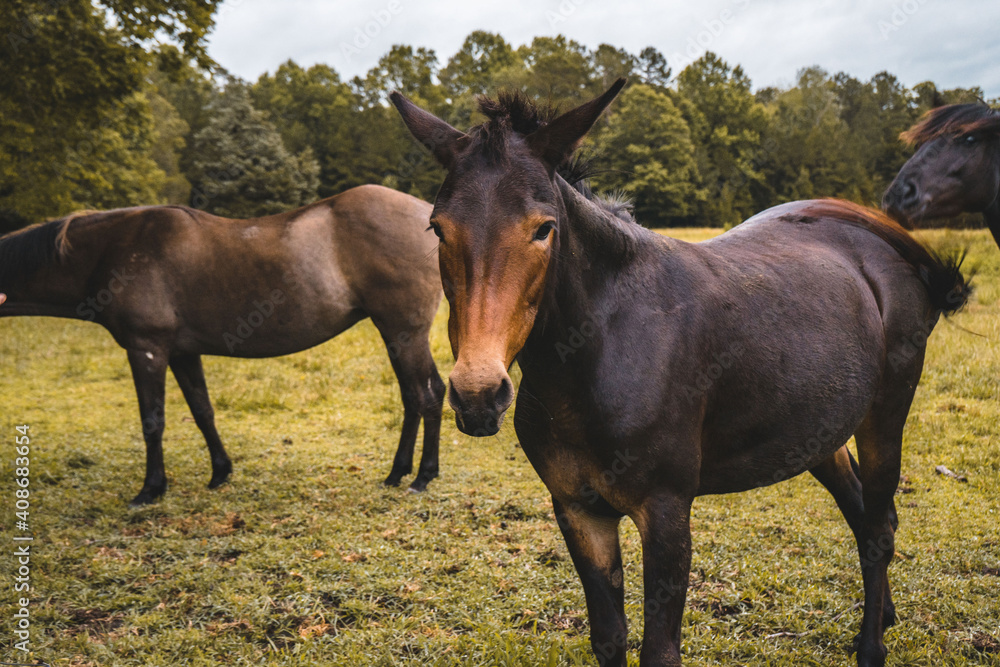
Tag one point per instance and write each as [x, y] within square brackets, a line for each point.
[480, 407]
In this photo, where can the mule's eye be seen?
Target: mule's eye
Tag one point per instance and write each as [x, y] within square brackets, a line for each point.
[543, 231]
[970, 138]
[436, 228]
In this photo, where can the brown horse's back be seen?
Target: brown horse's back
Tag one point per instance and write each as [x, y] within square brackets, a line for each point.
[268, 286]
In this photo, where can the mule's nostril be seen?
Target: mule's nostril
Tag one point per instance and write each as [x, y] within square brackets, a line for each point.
[453, 398]
[505, 395]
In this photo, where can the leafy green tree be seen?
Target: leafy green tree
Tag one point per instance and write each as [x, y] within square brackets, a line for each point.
[408, 70]
[169, 140]
[554, 70]
[608, 64]
[807, 150]
[313, 108]
[647, 152]
[726, 123]
[653, 68]
[74, 124]
[471, 70]
[243, 169]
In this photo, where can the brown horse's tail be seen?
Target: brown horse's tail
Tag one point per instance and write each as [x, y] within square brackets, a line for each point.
[947, 287]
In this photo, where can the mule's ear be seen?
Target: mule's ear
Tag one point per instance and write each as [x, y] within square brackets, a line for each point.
[440, 137]
[557, 140]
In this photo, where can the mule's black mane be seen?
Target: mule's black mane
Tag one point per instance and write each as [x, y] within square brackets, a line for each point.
[953, 120]
[510, 111]
[578, 170]
[514, 112]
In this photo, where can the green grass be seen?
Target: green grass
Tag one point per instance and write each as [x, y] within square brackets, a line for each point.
[303, 558]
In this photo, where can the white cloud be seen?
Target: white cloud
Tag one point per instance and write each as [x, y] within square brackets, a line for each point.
[952, 44]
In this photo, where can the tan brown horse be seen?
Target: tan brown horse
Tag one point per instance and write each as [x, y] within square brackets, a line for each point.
[655, 371]
[171, 284]
[955, 169]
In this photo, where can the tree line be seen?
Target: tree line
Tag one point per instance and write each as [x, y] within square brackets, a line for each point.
[100, 113]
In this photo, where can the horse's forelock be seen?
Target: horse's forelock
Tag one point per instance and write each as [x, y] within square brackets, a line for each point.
[953, 120]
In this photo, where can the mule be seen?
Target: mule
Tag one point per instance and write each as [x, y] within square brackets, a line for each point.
[172, 283]
[655, 371]
[955, 169]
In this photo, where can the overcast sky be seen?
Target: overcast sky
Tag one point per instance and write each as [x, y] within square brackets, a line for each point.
[953, 43]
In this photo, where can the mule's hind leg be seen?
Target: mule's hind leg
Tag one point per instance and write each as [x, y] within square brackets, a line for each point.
[839, 474]
[880, 439]
[149, 373]
[893, 516]
[190, 376]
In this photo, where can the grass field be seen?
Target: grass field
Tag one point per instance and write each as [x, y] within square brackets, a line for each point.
[304, 558]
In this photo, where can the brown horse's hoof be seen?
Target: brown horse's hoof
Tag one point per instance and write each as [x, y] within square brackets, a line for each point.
[419, 485]
[147, 497]
[393, 480]
[220, 473]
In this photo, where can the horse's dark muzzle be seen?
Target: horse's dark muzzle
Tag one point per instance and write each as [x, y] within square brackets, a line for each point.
[900, 200]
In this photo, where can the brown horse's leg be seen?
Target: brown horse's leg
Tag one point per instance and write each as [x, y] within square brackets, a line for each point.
[593, 545]
[431, 404]
[839, 474]
[879, 441]
[149, 373]
[664, 525]
[423, 392]
[191, 378]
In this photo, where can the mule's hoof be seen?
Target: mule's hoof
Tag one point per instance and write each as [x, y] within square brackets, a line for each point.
[392, 480]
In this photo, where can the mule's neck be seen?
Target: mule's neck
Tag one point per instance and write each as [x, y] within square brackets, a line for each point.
[593, 262]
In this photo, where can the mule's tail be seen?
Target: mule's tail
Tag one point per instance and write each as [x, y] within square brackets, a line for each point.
[941, 274]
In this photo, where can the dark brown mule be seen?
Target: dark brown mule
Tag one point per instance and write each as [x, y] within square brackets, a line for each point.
[655, 371]
[171, 283]
[955, 169]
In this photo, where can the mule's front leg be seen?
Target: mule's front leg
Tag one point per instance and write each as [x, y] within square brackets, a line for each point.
[149, 372]
[593, 545]
[665, 528]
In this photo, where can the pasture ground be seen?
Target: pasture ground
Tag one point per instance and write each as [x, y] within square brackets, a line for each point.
[304, 558]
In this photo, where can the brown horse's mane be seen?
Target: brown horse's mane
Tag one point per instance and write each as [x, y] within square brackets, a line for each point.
[25, 251]
[942, 276]
[953, 120]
